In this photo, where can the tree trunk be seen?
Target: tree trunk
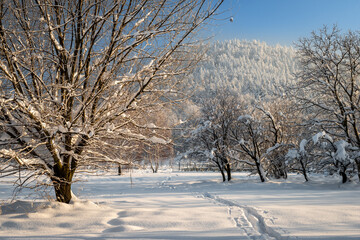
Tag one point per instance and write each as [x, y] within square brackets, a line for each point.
[223, 175]
[221, 171]
[305, 175]
[303, 170]
[357, 161]
[342, 173]
[62, 181]
[119, 169]
[285, 174]
[228, 172]
[258, 167]
[62, 190]
[344, 177]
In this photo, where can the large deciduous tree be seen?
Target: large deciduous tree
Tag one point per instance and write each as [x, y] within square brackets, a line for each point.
[74, 73]
[328, 88]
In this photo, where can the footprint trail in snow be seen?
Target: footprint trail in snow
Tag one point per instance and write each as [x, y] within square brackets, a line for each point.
[246, 218]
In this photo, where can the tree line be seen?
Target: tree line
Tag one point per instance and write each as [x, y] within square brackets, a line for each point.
[311, 127]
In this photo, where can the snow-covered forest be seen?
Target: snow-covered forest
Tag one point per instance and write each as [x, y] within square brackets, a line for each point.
[250, 68]
[118, 122]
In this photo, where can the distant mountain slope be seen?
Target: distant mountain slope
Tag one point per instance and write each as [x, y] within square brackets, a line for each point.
[248, 67]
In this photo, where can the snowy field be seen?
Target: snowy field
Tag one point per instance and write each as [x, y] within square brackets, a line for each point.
[188, 205]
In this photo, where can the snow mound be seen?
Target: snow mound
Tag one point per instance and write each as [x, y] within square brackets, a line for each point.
[58, 218]
[20, 207]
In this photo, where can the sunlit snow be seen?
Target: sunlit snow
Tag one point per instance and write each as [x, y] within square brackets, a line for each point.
[188, 205]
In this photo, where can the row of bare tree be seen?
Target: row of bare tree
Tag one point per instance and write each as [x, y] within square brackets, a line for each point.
[313, 127]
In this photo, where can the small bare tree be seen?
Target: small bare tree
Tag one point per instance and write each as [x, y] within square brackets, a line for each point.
[252, 143]
[277, 127]
[72, 71]
[258, 136]
[218, 115]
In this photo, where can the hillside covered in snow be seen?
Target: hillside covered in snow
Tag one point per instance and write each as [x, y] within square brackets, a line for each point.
[247, 67]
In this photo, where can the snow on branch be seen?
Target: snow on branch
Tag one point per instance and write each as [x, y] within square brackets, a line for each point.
[22, 161]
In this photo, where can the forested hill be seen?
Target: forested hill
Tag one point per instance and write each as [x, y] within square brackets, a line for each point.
[247, 67]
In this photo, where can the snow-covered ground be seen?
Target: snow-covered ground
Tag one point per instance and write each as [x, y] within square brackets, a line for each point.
[188, 205]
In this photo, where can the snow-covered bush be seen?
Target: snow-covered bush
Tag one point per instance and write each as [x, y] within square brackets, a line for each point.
[321, 153]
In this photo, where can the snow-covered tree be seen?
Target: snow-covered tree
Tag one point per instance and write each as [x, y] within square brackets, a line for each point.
[261, 140]
[276, 118]
[74, 73]
[159, 124]
[212, 133]
[251, 141]
[232, 130]
[328, 83]
[321, 153]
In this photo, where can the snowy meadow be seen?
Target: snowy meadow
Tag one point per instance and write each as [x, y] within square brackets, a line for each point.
[187, 205]
[108, 86]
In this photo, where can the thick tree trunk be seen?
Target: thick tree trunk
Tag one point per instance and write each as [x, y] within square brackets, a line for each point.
[228, 172]
[62, 181]
[343, 176]
[62, 191]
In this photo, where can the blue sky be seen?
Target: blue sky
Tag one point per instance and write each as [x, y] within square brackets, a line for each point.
[283, 21]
